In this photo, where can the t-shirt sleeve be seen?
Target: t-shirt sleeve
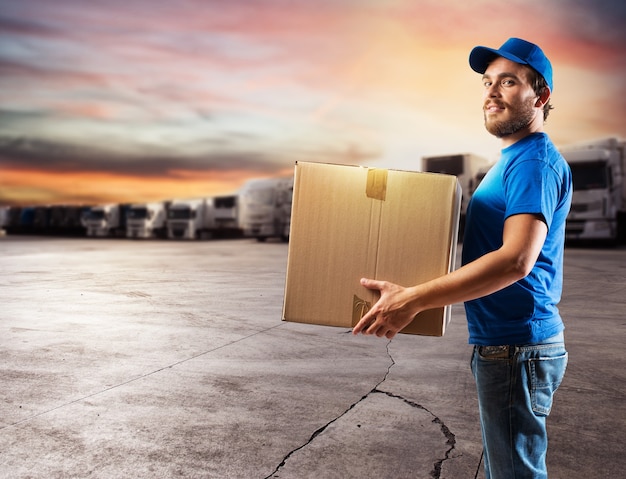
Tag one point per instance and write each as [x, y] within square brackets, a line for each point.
[531, 187]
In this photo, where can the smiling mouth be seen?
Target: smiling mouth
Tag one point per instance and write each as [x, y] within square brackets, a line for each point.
[493, 108]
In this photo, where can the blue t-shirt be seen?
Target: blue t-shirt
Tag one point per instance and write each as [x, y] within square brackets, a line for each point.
[530, 177]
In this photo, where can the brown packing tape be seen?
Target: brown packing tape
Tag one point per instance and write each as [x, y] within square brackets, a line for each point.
[359, 308]
[376, 187]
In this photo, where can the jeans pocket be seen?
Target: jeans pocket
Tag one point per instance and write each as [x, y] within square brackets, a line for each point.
[546, 374]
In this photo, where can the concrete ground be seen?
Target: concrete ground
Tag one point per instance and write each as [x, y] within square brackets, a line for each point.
[161, 359]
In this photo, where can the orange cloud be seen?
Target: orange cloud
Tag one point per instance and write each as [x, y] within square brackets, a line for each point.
[22, 187]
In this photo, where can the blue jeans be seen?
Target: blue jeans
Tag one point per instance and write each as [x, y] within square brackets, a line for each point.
[515, 388]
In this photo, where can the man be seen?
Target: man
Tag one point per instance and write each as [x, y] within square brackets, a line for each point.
[511, 276]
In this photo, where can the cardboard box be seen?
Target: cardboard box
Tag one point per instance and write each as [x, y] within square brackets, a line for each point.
[349, 222]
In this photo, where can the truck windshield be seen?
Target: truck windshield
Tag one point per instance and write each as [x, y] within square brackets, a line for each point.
[138, 213]
[263, 196]
[96, 215]
[589, 176]
[225, 202]
[181, 214]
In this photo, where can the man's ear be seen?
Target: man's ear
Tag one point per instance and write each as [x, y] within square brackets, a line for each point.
[543, 97]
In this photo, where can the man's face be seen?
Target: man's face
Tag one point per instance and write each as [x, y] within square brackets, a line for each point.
[509, 100]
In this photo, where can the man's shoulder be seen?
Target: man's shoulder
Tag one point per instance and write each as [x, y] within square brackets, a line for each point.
[537, 147]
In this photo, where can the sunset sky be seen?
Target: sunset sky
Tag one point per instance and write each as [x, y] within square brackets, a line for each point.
[141, 100]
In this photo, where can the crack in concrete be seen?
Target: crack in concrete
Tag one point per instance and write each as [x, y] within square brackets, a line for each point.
[437, 466]
[450, 437]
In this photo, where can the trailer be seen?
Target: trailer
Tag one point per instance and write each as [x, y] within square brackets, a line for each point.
[26, 223]
[41, 220]
[66, 220]
[265, 208]
[226, 214]
[190, 219]
[12, 222]
[147, 220]
[598, 210]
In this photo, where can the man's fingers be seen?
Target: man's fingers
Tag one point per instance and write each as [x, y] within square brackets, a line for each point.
[371, 283]
[364, 323]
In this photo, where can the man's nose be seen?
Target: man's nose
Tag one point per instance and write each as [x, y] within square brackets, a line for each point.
[492, 91]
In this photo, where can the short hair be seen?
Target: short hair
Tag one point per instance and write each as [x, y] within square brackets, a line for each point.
[539, 84]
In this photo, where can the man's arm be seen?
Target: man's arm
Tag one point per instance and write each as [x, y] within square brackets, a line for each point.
[523, 238]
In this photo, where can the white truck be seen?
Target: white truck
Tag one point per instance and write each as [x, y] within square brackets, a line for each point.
[598, 209]
[147, 220]
[466, 167]
[106, 220]
[226, 214]
[265, 208]
[190, 219]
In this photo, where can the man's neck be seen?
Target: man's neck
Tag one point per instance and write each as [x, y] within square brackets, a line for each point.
[534, 127]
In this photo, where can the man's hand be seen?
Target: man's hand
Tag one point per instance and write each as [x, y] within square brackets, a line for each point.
[391, 313]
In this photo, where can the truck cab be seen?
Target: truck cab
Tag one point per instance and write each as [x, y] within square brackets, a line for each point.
[190, 219]
[265, 208]
[598, 201]
[147, 220]
[106, 220]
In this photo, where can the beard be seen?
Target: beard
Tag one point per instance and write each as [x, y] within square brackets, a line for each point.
[520, 116]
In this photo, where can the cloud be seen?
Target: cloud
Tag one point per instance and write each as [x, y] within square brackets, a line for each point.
[158, 90]
[24, 26]
[41, 155]
[595, 21]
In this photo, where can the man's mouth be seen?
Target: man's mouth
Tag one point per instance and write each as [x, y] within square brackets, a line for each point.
[493, 108]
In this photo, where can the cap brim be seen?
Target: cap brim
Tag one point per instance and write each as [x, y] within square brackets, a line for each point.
[481, 57]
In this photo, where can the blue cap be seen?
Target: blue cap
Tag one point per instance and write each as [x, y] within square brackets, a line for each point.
[516, 50]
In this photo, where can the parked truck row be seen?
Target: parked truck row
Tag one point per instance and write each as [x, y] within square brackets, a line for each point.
[261, 209]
